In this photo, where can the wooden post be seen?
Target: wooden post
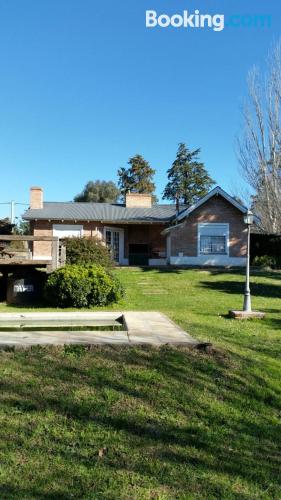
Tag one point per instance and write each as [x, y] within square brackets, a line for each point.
[62, 255]
[55, 254]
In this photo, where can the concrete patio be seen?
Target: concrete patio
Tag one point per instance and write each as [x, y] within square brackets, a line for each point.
[139, 328]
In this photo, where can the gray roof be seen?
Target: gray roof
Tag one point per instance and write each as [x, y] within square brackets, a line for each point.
[106, 212]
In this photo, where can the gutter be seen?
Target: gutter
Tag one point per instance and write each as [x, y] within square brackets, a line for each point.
[97, 220]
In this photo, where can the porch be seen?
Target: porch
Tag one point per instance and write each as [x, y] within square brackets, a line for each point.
[136, 245]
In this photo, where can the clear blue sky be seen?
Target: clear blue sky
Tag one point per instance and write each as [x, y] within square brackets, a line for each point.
[84, 85]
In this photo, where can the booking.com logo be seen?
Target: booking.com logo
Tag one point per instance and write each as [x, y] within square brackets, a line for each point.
[217, 22]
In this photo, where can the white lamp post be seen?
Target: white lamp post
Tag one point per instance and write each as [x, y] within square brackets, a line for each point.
[248, 220]
[247, 312]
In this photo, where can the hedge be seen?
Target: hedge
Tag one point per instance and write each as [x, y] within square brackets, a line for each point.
[266, 248]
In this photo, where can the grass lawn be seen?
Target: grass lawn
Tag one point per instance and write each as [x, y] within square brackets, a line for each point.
[146, 422]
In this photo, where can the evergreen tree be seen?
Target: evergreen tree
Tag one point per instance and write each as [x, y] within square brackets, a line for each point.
[99, 192]
[22, 227]
[188, 179]
[137, 178]
[6, 227]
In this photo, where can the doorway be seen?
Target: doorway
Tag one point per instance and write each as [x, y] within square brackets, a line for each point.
[138, 254]
[114, 238]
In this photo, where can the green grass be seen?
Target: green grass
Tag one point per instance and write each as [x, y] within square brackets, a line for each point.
[146, 422]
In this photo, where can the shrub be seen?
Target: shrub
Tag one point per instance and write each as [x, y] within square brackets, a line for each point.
[87, 251]
[82, 286]
[264, 261]
[266, 244]
[68, 286]
[105, 288]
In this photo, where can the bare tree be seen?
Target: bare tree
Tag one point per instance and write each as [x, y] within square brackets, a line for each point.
[259, 147]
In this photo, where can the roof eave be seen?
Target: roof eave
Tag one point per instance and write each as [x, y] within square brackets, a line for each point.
[170, 228]
[214, 192]
[102, 221]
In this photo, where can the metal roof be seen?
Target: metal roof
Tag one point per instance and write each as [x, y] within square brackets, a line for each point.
[104, 212]
[110, 212]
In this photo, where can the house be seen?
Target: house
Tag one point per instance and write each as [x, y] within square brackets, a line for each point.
[211, 232]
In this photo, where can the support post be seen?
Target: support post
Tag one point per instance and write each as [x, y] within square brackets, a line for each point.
[62, 255]
[55, 254]
[247, 294]
[12, 211]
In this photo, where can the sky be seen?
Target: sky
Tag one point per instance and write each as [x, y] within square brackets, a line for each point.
[85, 85]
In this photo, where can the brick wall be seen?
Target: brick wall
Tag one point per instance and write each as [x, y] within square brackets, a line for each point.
[45, 228]
[217, 209]
[139, 233]
[42, 248]
[145, 234]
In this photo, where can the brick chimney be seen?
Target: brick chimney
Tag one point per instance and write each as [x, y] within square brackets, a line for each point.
[36, 197]
[137, 200]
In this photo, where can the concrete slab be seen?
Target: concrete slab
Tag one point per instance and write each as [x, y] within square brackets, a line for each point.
[84, 315]
[246, 314]
[13, 339]
[155, 328]
[139, 328]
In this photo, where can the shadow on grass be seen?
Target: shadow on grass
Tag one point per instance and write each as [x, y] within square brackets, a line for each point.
[240, 271]
[214, 271]
[275, 323]
[234, 287]
[172, 409]
[14, 492]
[27, 305]
[161, 269]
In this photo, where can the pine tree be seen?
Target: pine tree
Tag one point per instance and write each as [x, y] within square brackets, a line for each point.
[137, 178]
[188, 179]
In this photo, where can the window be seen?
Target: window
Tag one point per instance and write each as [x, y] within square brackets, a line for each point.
[112, 239]
[213, 239]
[67, 230]
[116, 246]
[108, 238]
[212, 244]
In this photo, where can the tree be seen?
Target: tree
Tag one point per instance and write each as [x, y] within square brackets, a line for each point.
[99, 192]
[188, 179]
[259, 146]
[6, 227]
[137, 178]
[22, 227]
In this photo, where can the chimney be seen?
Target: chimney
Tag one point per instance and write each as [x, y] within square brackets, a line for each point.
[36, 197]
[137, 200]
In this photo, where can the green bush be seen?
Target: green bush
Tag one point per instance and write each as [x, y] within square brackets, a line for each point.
[264, 261]
[82, 286]
[105, 287]
[87, 251]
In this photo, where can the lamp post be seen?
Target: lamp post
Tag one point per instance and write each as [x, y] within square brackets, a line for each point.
[248, 220]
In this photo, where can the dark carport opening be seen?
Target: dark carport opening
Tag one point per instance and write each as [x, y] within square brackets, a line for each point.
[138, 254]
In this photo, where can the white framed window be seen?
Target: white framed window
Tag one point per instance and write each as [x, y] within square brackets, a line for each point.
[212, 245]
[67, 230]
[114, 239]
[213, 239]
